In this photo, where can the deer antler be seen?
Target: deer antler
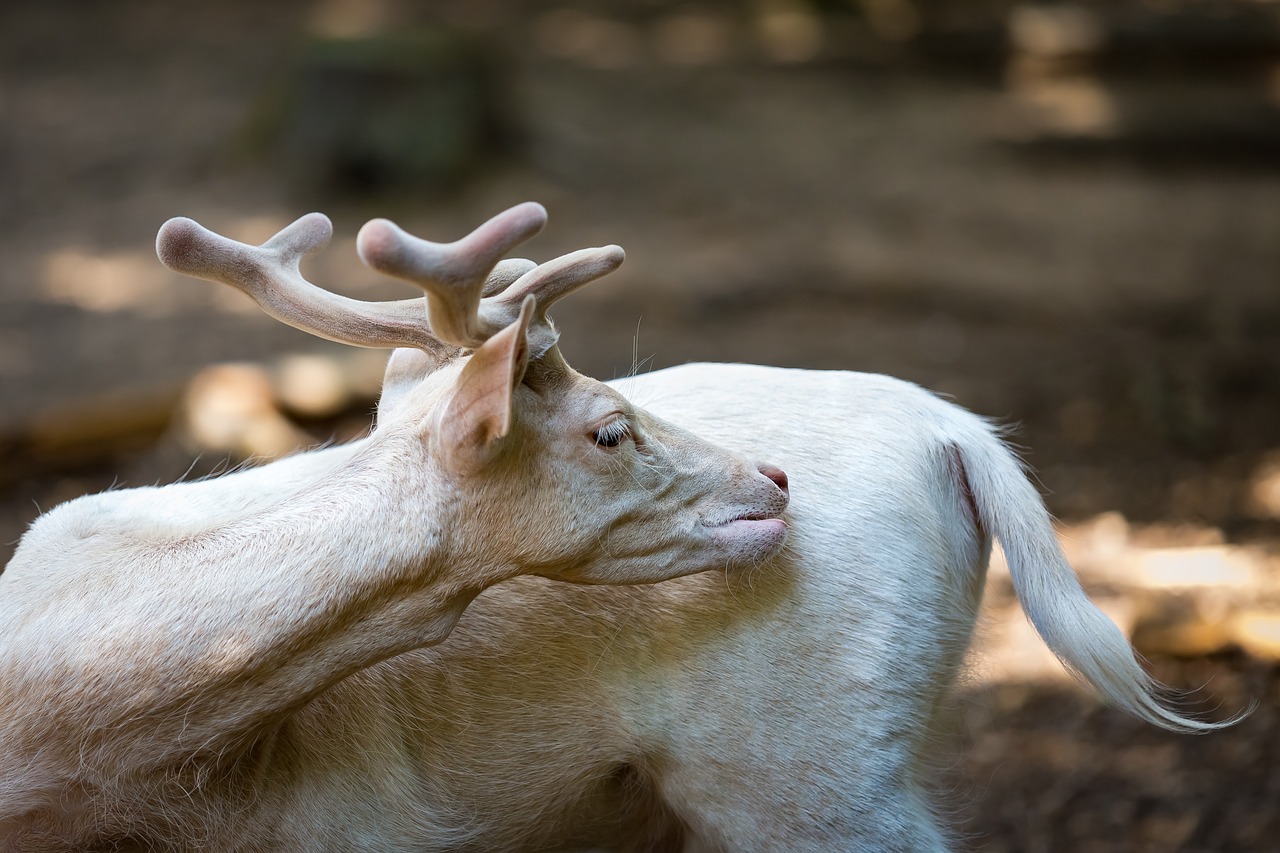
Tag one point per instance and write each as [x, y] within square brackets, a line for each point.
[471, 295]
[467, 316]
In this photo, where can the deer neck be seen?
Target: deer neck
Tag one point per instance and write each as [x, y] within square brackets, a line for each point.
[199, 640]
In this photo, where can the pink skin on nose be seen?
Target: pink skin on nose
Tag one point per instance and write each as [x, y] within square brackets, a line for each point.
[776, 474]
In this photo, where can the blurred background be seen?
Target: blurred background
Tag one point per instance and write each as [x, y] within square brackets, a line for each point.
[1065, 216]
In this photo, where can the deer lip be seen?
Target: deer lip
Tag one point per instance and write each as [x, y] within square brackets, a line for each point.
[751, 535]
[754, 515]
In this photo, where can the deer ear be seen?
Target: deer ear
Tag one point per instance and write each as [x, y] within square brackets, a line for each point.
[480, 413]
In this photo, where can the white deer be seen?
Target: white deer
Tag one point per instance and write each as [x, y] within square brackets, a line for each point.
[258, 662]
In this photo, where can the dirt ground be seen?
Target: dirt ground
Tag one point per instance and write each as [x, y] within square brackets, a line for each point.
[1090, 251]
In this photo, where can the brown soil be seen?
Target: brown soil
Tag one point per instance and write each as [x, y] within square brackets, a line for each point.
[906, 210]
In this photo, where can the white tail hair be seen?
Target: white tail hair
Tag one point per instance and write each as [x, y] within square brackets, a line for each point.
[1083, 638]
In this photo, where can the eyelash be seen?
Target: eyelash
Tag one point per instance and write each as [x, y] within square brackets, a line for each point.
[612, 434]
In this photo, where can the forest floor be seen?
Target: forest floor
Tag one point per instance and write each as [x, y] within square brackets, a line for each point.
[1117, 300]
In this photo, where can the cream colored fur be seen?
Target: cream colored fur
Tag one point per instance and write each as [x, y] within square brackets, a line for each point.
[159, 644]
[274, 695]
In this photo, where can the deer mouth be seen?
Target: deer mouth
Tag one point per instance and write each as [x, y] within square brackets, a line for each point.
[748, 522]
[760, 515]
[753, 535]
[748, 515]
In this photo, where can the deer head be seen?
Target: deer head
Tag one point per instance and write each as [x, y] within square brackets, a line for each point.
[532, 468]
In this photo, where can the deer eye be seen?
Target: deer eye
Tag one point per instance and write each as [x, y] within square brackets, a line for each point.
[612, 434]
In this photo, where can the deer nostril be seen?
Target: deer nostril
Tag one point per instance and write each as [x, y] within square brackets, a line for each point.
[776, 474]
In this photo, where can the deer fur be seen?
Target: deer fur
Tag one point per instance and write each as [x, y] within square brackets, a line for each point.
[280, 659]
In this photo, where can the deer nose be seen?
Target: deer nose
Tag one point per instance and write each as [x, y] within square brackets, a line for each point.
[776, 474]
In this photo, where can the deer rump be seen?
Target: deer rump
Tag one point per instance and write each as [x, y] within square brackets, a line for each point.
[789, 706]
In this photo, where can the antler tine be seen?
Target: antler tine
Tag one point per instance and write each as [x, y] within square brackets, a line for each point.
[453, 275]
[557, 278]
[549, 282]
[269, 274]
[506, 273]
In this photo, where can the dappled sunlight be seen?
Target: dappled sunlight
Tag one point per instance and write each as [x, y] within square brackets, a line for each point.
[257, 411]
[1006, 648]
[1057, 30]
[350, 18]
[135, 281]
[782, 31]
[231, 409]
[1048, 80]
[1180, 568]
[1062, 215]
[1172, 590]
[121, 281]
[1264, 487]
[791, 31]
[313, 385]
[1078, 107]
